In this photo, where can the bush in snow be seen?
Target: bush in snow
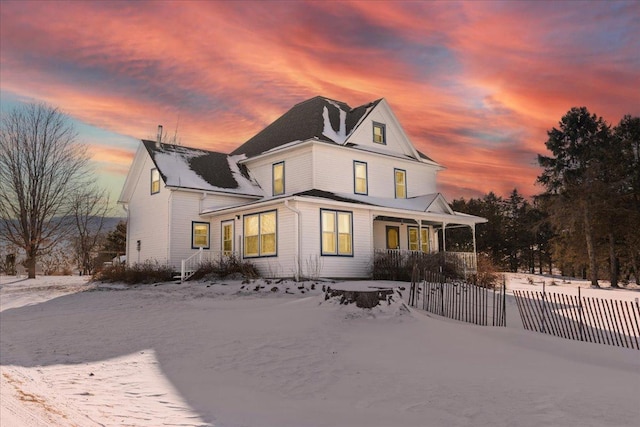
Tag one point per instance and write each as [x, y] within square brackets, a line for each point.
[226, 266]
[146, 272]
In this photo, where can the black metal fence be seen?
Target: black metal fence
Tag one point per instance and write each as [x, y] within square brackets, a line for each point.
[596, 320]
[459, 300]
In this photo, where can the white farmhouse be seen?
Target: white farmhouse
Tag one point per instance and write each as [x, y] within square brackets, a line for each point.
[323, 187]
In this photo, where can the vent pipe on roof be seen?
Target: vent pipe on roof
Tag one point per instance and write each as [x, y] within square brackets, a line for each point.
[159, 137]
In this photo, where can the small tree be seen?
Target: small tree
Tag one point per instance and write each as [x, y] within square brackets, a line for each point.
[115, 243]
[90, 208]
[41, 168]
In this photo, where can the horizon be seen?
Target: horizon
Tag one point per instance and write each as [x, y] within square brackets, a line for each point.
[475, 85]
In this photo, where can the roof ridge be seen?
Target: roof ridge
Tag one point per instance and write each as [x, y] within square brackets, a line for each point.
[164, 144]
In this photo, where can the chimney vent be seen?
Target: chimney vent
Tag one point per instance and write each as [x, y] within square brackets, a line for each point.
[159, 137]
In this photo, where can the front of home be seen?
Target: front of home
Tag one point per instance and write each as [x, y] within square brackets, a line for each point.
[315, 194]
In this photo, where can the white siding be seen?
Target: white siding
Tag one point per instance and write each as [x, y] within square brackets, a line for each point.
[357, 266]
[281, 265]
[298, 170]
[334, 166]
[185, 209]
[396, 140]
[148, 218]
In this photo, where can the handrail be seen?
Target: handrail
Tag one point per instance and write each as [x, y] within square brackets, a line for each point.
[189, 266]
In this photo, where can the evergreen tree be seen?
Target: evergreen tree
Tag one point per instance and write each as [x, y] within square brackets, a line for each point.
[575, 177]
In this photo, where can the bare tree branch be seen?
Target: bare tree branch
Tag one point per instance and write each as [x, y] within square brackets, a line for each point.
[41, 167]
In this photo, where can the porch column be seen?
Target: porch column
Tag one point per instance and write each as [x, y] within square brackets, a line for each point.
[473, 233]
[444, 237]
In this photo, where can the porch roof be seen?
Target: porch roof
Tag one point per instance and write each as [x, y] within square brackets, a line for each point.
[431, 207]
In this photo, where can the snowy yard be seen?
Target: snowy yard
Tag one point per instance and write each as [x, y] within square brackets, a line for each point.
[225, 354]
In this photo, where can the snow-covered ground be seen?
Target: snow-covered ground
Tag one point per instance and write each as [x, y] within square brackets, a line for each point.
[226, 354]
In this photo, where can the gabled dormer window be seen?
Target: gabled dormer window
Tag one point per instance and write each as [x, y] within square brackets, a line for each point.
[401, 183]
[155, 181]
[379, 133]
[360, 177]
[278, 178]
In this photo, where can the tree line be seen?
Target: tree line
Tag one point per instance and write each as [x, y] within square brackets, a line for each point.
[586, 221]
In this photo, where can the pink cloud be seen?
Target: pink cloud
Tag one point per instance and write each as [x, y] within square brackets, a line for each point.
[485, 79]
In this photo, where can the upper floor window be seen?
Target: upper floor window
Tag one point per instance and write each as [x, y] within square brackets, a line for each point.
[337, 235]
[360, 177]
[379, 133]
[278, 178]
[155, 181]
[401, 183]
[199, 235]
[260, 234]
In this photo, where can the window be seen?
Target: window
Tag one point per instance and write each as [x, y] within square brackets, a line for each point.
[414, 241]
[155, 181]
[424, 240]
[360, 177]
[379, 133]
[278, 178]
[401, 183]
[227, 237]
[260, 234]
[199, 235]
[337, 236]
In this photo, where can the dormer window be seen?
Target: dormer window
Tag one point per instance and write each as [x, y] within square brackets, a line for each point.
[379, 133]
[155, 181]
[278, 178]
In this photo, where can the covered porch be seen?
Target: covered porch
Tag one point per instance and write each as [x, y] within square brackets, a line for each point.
[402, 239]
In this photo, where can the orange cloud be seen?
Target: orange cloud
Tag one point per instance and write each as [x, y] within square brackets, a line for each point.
[479, 78]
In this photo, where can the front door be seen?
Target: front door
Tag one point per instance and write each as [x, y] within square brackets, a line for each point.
[393, 237]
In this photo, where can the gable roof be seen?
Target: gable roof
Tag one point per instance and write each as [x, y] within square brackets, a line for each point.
[305, 121]
[197, 169]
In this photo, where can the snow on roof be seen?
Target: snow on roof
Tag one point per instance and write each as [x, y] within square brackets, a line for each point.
[318, 118]
[328, 131]
[197, 169]
[418, 203]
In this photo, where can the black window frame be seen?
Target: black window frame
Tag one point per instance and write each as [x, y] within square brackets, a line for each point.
[366, 177]
[395, 184]
[383, 127]
[273, 179]
[193, 234]
[337, 233]
[244, 245]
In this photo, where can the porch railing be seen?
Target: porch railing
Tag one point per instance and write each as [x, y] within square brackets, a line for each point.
[395, 264]
[189, 266]
[465, 262]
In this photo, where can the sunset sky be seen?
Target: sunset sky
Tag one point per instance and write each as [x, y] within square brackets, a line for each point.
[476, 85]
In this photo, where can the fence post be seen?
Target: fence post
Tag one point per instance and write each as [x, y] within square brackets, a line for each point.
[581, 325]
[442, 294]
[544, 306]
[504, 301]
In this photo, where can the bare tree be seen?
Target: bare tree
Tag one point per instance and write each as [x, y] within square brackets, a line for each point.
[90, 207]
[42, 167]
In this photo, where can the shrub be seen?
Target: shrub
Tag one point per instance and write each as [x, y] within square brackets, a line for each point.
[146, 272]
[389, 265]
[487, 275]
[225, 266]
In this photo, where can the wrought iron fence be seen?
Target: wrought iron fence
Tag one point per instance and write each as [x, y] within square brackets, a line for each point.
[459, 300]
[596, 320]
